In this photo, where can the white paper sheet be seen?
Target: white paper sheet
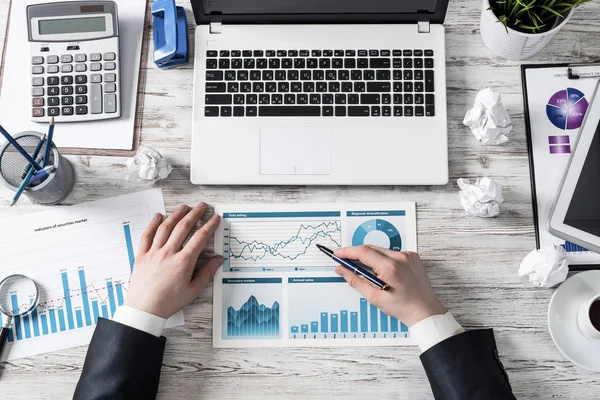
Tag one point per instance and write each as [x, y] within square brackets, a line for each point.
[81, 258]
[276, 289]
[552, 96]
[15, 98]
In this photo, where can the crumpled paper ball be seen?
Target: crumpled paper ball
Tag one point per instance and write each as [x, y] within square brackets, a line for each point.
[545, 267]
[147, 165]
[488, 119]
[482, 198]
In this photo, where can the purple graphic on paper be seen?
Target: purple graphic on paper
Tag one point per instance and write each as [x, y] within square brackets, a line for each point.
[566, 109]
[564, 139]
[562, 149]
[559, 144]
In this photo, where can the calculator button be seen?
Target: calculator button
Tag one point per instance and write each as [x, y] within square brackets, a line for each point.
[53, 91]
[79, 110]
[67, 110]
[66, 68]
[95, 78]
[37, 60]
[66, 90]
[80, 79]
[38, 69]
[52, 69]
[81, 89]
[80, 67]
[95, 99]
[66, 58]
[80, 58]
[37, 112]
[110, 103]
[37, 91]
[95, 57]
[37, 102]
[110, 66]
[52, 59]
[53, 111]
[110, 78]
[66, 80]
[53, 101]
[110, 88]
[66, 100]
[95, 67]
[37, 81]
[81, 99]
[53, 80]
[110, 56]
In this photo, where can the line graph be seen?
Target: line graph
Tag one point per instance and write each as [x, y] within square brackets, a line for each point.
[276, 243]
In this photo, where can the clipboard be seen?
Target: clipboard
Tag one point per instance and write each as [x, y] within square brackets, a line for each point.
[556, 100]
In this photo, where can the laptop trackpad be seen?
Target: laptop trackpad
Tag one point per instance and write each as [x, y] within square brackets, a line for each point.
[295, 151]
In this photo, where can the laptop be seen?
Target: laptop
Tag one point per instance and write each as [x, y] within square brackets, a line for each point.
[313, 92]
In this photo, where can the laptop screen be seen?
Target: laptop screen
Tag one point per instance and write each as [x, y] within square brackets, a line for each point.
[319, 6]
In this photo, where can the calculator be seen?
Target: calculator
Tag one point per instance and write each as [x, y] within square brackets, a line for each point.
[74, 61]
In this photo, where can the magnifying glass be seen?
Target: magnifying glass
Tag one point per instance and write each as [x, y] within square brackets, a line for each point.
[19, 295]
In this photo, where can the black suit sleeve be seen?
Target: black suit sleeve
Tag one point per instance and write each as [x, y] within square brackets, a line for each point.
[467, 366]
[121, 363]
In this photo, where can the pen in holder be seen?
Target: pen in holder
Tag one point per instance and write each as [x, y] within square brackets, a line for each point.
[48, 190]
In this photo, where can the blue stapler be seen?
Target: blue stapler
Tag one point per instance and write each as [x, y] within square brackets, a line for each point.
[170, 34]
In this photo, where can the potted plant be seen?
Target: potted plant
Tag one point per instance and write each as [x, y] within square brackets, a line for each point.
[518, 29]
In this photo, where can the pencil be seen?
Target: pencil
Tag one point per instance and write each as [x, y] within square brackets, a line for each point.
[23, 186]
[35, 154]
[49, 142]
[20, 149]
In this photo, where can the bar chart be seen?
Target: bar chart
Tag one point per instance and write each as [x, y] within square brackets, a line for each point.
[327, 308]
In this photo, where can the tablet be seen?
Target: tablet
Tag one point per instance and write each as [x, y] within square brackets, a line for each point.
[575, 215]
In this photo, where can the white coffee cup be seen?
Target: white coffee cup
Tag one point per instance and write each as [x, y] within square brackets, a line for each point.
[584, 320]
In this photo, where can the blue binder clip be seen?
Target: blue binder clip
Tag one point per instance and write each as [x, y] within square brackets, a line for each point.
[170, 34]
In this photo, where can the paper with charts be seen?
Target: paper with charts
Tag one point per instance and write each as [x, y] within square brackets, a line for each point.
[81, 258]
[277, 289]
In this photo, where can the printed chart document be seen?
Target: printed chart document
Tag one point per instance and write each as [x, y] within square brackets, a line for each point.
[557, 108]
[277, 289]
[81, 258]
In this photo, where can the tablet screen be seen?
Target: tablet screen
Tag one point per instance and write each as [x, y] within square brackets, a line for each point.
[584, 210]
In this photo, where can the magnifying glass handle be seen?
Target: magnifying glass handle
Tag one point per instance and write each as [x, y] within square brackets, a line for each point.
[3, 338]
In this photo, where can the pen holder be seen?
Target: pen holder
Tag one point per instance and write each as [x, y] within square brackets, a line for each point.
[49, 191]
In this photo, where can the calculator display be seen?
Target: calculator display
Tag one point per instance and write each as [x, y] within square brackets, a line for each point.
[71, 25]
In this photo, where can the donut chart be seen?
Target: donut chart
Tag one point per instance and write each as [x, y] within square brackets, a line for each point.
[566, 109]
[378, 232]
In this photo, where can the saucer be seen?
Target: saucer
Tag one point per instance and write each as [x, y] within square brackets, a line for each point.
[562, 320]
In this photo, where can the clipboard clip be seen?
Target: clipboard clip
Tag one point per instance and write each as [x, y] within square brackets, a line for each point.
[573, 76]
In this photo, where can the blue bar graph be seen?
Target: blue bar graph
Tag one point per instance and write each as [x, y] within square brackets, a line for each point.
[129, 243]
[111, 297]
[79, 318]
[403, 328]
[26, 326]
[96, 311]
[44, 320]
[314, 327]
[119, 294]
[393, 324]
[61, 319]
[35, 320]
[383, 321]
[334, 323]
[354, 322]
[294, 329]
[84, 298]
[68, 307]
[10, 337]
[304, 328]
[364, 327]
[52, 313]
[324, 322]
[344, 321]
[373, 318]
[15, 305]
[104, 311]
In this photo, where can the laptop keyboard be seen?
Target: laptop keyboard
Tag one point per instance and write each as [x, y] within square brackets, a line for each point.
[303, 83]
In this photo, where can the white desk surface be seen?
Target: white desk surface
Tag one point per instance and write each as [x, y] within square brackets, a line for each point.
[471, 262]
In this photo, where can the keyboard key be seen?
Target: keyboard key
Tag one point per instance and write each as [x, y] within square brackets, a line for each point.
[37, 112]
[287, 63]
[258, 87]
[356, 75]
[350, 63]
[258, 53]
[245, 87]
[81, 99]
[53, 111]
[363, 63]
[110, 66]
[53, 91]
[418, 86]
[211, 111]
[233, 87]
[324, 63]
[246, 53]
[418, 75]
[37, 81]
[226, 111]
[359, 87]
[292, 53]
[268, 53]
[283, 87]
[362, 53]
[53, 69]
[429, 81]
[262, 63]
[249, 63]
[277, 98]
[236, 53]
[302, 98]
[36, 70]
[408, 75]
[379, 86]
[94, 78]
[407, 53]
[211, 53]
[293, 75]
[430, 110]
[256, 75]
[419, 99]
[327, 111]
[386, 111]
[305, 75]
[315, 98]
[66, 90]
[224, 53]
[37, 102]
[37, 60]
[397, 53]
[408, 111]
[419, 111]
[373, 53]
[238, 111]
[81, 110]
[398, 86]
[239, 99]
[340, 111]
[347, 87]
[67, 110]
[296, 87]
[223, 63]
[66, 58]
[236, 63]
[274, 63]
[251, 111]
[337, 63]
[386, 98]
[384, 53]
[408, 63]
[312, 63]
[340, 99]
[95, 67]
[308, 87]
[429, 63]
[408, 98]
[418, 53]
[418, 62]
[82, 89]
[428, 53]
[369, 75]
[218, 99]
[370, 99]
[380, 63]
[251, 99]
[211, 63]
[398, 99]
[327, 99]
[338, 53]
[429, 99]
[215, 88]
[66, 68]
[271, 87]
[242, 75]
[398, 111]
[316, 53]
[108, 88]
[80, 67]
[67, 100]
[358, 111]
[328, 53]
[331, 75]
[383, 75]
[80, 79]
[289, 98]
[318, 75]
[304, 53]
[95, 57]
[287, 111]
[52, 59]
[353, 98]
[397, 63]
[281, 53]
[350, 53]
[408, 86]
[375, 111]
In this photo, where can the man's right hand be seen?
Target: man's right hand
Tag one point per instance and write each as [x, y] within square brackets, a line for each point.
[410, 299]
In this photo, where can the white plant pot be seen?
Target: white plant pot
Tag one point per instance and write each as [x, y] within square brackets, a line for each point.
[513, 45]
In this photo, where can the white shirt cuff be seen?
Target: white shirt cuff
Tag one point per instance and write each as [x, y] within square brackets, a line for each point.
[140, 320]
[434, 330]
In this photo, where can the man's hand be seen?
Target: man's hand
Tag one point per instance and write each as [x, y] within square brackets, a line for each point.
[410, 298]
[163, 279]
